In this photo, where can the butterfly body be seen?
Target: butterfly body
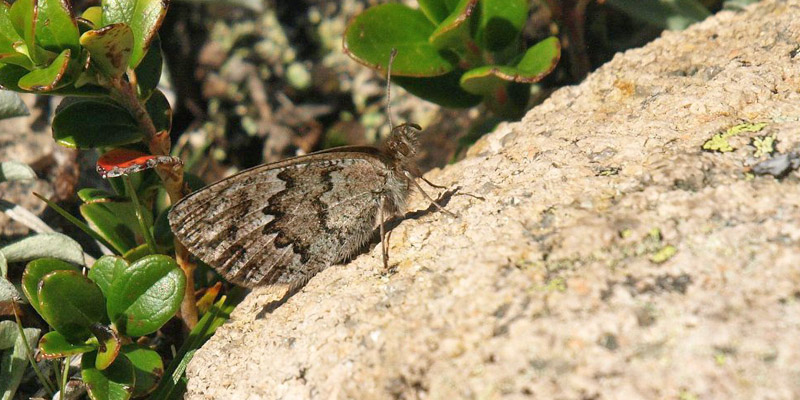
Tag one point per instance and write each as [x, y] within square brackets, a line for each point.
[283, 222]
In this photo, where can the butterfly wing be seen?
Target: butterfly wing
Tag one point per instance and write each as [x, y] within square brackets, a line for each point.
[284, 222]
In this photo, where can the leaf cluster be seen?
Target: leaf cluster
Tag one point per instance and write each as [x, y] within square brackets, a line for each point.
[456, 53]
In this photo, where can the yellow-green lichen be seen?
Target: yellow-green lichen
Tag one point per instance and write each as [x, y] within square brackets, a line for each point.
[764, 145]
[663, 254]
[719, 142]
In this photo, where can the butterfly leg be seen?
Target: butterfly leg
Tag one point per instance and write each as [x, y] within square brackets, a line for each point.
[414, 182]
[382, 218]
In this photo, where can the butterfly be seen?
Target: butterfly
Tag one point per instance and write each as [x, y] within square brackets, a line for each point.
[283, 222]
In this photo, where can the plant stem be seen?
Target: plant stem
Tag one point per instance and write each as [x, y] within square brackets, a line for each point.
[64, 378]
[148, 236]
[124, 93]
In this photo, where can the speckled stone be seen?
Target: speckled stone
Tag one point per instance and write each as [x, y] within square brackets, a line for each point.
[562, 282]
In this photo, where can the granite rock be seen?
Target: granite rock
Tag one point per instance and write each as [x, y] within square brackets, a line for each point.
[610, 257]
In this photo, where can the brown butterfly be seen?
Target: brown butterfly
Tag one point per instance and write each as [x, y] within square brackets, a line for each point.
[283, 222]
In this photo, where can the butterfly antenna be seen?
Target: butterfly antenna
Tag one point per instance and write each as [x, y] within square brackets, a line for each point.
[392, 55]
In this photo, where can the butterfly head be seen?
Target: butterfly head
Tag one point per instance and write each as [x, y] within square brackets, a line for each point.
[403, 142]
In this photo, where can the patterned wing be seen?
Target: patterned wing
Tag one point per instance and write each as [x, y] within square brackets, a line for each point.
[283, 222]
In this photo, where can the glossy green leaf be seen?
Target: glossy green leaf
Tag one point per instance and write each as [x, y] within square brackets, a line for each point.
[109, 345]
[8, 35]
[674, 15]
[94, 15]
[14, 362]
[136, 253]
[35, 271]
[110, 48]
[55, 245]
[49, 78]
[146, 295]
[537, 62]
[500, 23]
[436, 10]
[373, 34]
[113, 383]
[444, 90]
[148, 73]
[91, 124]
[55, 27]
[22, 14]
[453, 32]
[104, 270]
[70, 303]
[15, 171]
[11, 74]
[115, 221]
[88, 195]
[143, 16]
[55, 345]
[160, 111]
[147, 366]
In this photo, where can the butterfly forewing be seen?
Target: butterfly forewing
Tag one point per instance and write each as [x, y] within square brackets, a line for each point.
[284, 222]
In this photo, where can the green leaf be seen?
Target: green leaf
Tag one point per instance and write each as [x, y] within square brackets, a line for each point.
[70, 303]
[49, 78]
[104, 270]
[537, 62]
[506, 89]
[673, 15]
[115, 221]
[93, 15]
[500, 23]
[8, 35]
[110, 48]
[109, 346]
[435, 10]
[3, 266]
[90, 124]
[453, 32]
[22, 14]
[444, 90]
[113, 383]
[88, 195]
[148, 73]
[55, 345]
[14, 362]
[11, 74]
[146, 295]
[137, 252]
[35, 271]
[55, 28]
[143, 16]
[54, 245]
[15, 171]
[147, 366]
[373, 34]
[160, 111]
[11, 105]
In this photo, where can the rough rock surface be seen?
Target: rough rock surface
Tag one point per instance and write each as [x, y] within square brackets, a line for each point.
[611, 258]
